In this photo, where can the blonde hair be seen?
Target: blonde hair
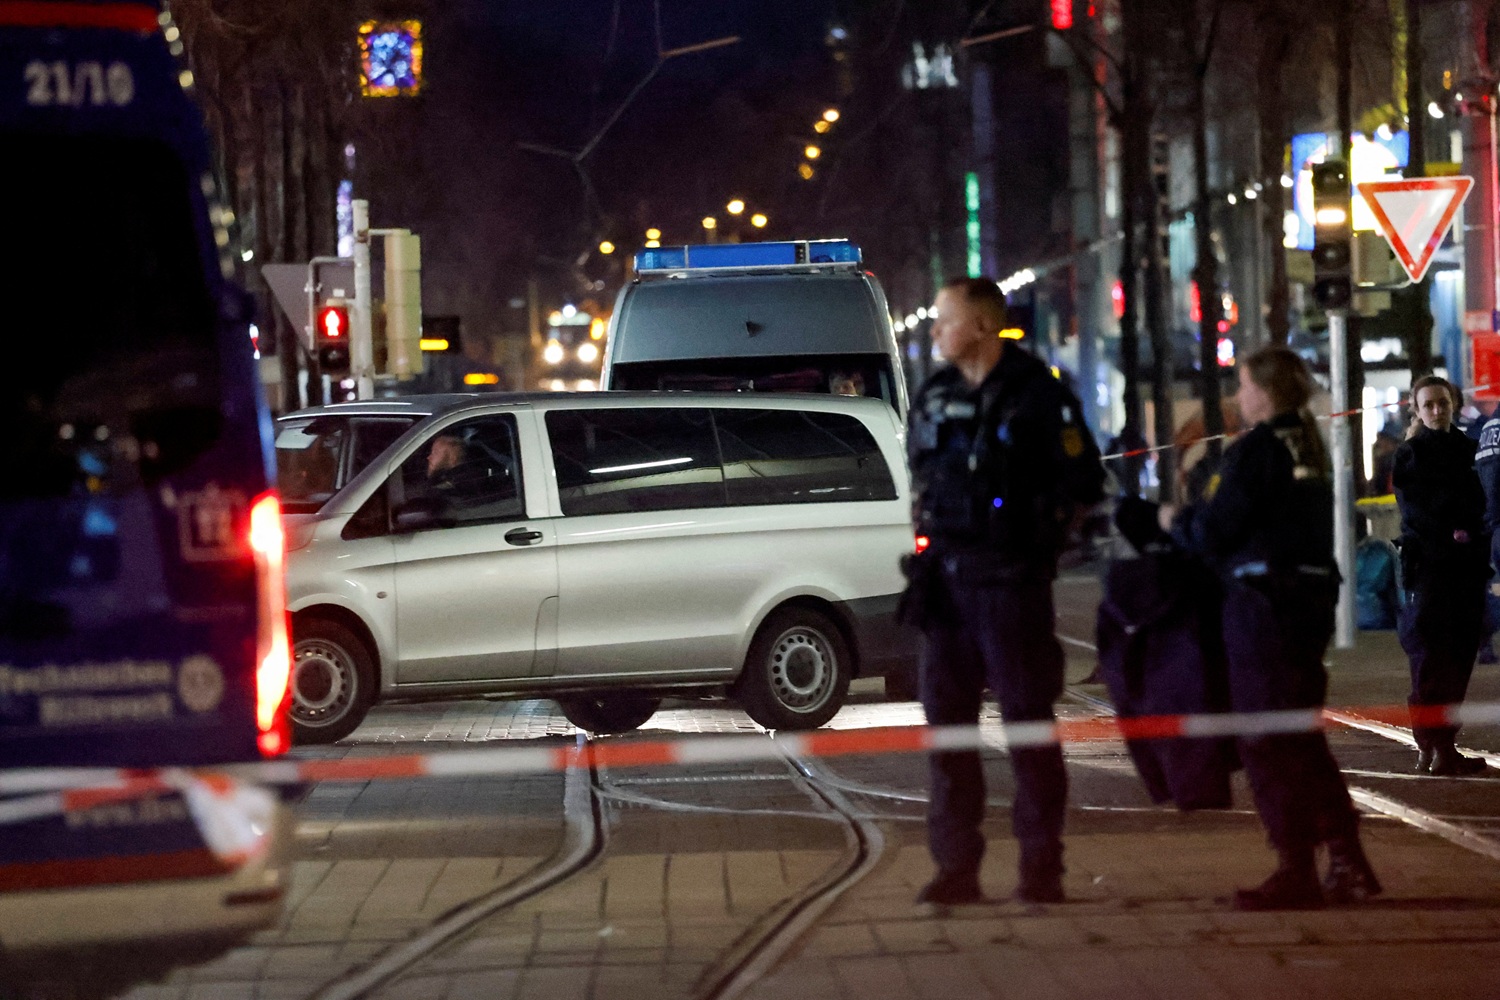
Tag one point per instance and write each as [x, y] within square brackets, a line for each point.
[1281, 372]
[1427, 382]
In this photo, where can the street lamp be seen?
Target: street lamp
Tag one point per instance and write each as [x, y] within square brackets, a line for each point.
[735, 207]
[831, 115]
[820, 126]
[606, 247]
[812, 152]
[805, 171]
[653, 234]
[553, 352]
[710, 223]
[759, 220]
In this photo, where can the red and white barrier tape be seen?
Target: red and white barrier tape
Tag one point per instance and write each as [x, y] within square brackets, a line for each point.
[39, 792]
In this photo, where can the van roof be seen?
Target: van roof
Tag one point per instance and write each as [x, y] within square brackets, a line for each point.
[429, 404]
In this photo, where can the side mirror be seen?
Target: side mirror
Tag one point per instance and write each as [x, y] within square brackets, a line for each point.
[420, 514]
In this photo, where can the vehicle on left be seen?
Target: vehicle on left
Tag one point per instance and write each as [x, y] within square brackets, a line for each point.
[142, 591]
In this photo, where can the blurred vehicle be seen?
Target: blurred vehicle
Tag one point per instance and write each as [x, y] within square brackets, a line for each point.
[763, 317]
[604, 549]
[142, 591]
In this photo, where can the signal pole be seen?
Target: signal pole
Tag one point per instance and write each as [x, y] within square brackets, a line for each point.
[1343, 475]
[361, 342]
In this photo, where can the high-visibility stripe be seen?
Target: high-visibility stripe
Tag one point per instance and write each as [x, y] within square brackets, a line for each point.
[138, 17]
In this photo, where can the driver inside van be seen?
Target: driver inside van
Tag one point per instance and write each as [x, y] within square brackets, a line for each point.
[445, 462]
[846, 384]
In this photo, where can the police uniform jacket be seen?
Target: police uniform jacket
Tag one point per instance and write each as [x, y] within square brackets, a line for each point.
[1487, 466]
[985, 467]
[1439, 493]
[1269, 509]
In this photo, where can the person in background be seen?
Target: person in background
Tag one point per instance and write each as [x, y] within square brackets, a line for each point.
[1266, 528]
[1445, 563]
[846, 384]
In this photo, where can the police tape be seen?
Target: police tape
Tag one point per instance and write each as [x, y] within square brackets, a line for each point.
[1153, 449]
[34, 793]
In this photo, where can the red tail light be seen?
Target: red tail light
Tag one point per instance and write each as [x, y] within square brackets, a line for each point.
[922, 542]
[273, 651]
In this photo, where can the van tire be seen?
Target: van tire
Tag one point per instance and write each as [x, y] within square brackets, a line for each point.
[333, 682]
[609, 714]
[796, 674]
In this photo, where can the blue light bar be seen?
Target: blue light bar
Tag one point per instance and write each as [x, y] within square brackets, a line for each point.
[740, 255]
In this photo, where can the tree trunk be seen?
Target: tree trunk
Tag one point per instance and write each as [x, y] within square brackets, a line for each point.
[1354, 379]
[1206, 268]
[1275, 41]
[1134, 125]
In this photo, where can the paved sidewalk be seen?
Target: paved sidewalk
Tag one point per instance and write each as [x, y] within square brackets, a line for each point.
[1148, 918]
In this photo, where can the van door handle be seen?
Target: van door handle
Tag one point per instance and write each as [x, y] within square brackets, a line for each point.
[522, 536]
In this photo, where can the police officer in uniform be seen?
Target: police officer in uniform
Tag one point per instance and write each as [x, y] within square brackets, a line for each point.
[1265, 525]
[985, 436]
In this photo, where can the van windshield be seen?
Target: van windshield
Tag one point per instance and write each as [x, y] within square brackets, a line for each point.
[317, 455]
[849, 375]
[108, 322]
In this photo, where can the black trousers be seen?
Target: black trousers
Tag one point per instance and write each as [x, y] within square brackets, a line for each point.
[1000, 635]
[1440, 625]
[1275, 634]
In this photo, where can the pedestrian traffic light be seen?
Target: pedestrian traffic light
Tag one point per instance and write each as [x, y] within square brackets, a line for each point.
[1332, 235]
[331, 338]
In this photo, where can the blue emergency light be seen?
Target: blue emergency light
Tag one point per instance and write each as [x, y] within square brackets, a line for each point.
[741, 255]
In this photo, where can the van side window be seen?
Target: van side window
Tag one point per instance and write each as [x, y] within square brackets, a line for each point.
[793, 456]
[651, 458]
[469, 472]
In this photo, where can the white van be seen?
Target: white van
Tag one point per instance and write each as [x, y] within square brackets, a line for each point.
[604, 549]
[770, 317]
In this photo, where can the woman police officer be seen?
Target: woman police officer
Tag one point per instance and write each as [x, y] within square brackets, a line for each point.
[1445, 563]
[1265, 526]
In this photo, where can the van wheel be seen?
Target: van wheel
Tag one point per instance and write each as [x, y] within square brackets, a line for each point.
[797, 672]
[609, 714]
[333, 682]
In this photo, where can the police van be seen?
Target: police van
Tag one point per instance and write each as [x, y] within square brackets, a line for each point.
[142, 591]
[795, 316]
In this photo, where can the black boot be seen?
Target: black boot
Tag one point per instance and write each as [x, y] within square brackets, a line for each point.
[1041, 875]
[1350, 878]
[1292, 886]
[1447, 762]
[952, 888]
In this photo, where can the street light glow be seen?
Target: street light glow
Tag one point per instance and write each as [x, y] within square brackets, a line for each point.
[1434, 109]
[606, 247]
[805, 170]
[735, 207]
[588, 352]
[653, 244]
[653, 234]
[831, 115]
[709, 222]
[812, 152]
[759, 220]
[553, 352]
[821, 126]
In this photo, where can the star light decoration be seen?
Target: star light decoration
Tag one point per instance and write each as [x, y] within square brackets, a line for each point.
[390, 58]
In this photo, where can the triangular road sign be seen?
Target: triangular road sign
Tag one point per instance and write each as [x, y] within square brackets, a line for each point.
[1414, 215]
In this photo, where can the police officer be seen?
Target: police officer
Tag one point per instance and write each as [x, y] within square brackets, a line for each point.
[985, 436]
[1445, 562]
[1265, 526]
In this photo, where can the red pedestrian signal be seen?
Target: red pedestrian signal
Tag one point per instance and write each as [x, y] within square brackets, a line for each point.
[333, 323]
[331, 339]
[1062, 14]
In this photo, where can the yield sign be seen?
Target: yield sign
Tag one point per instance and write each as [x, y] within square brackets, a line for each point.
[1414, 215]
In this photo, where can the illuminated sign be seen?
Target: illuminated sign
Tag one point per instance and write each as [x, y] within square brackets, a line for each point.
[1382, 157]
[390, 58]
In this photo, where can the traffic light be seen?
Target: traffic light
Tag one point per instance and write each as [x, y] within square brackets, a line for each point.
[331, 338]
[1333, 286]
